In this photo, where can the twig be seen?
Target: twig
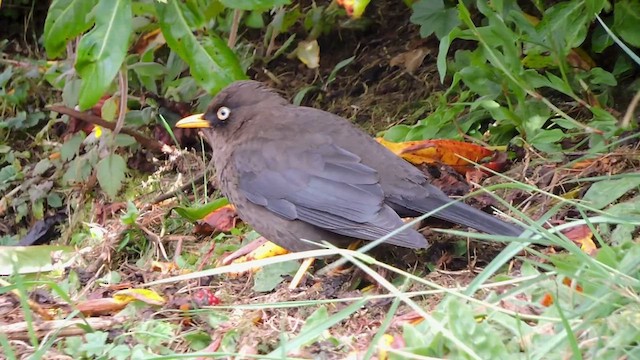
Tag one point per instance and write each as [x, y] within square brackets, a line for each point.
[18, 331]
[233, 33]
[124, 89]
[148, 143]
[626, 120]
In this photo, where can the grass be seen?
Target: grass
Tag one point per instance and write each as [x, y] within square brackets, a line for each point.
[521, 305]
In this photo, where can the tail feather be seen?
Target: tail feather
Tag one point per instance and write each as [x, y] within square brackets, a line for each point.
[463, 214]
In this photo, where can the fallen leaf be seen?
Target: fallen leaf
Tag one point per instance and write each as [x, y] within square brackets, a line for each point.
[309, 53]
[222, 219]
[547, 300]
[411, 60]
[145, 295]
[569, 282]
[583, 237]
[163, 267]
[449, 152]
[94, 307]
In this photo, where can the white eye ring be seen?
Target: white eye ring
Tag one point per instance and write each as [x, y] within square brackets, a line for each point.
[223, 113]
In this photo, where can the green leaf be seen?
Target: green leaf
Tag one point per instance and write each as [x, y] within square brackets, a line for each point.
[110, 173]
[600, 76]
[194, 213]
[626, 16]
[66, 19]
[151, 69]
[628, 208]
[54, 200]
[605, 192]
[546, 140]
[103, 49]
[254, 5]
[78, 171]
[271, 275]
[338, 67]
[213, 64]
[34, 259]
[42, 166]
[125, 140]
[254, 20]
[397, 133]
[315, 320]
[434, 17]
[71, 147]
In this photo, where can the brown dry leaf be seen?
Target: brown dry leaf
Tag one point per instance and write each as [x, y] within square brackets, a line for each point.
[222, 219]
[411, 60]
[582, 236]
[449, 152]
[151, 40]
[520, 304]
[105, 306]
[163, 267]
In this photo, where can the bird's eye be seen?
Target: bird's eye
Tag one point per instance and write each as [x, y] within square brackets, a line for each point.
[223, 113]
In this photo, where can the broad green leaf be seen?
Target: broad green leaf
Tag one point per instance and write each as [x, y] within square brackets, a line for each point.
[125, 140]
[34, 259]
[110, 173]
[71, 147]
[151, 69]
[605, 192]
[66, 19]
[271, 275]
[397, 133]
[254, 5]
[627, 21]
[628, 208]
[194, 213]
[546, 140]
[434, 17]
[565, 25]
[254, 20]
[601, 76]
[213, 65]
[78, 171]
[103, 49]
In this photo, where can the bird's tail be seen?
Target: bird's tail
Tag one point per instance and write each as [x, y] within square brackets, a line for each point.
[463, 214]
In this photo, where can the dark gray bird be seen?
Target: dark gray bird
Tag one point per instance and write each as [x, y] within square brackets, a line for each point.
[295, 172]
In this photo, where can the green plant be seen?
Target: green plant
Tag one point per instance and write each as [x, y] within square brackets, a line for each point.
[519, 64]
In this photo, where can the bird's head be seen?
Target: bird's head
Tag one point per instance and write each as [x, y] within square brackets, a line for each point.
[233, 106]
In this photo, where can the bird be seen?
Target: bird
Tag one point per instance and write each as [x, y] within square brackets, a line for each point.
[295, 172]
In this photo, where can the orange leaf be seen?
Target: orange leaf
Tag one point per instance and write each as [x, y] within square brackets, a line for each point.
[582, 236]
[567, 281]
[449, 152]
[221, 219]
[547, 300]
[100, 306]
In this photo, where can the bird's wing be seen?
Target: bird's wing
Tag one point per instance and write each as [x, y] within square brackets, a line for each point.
[321, 184]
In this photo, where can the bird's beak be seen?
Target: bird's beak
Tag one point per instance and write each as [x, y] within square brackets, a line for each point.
[193, 121]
